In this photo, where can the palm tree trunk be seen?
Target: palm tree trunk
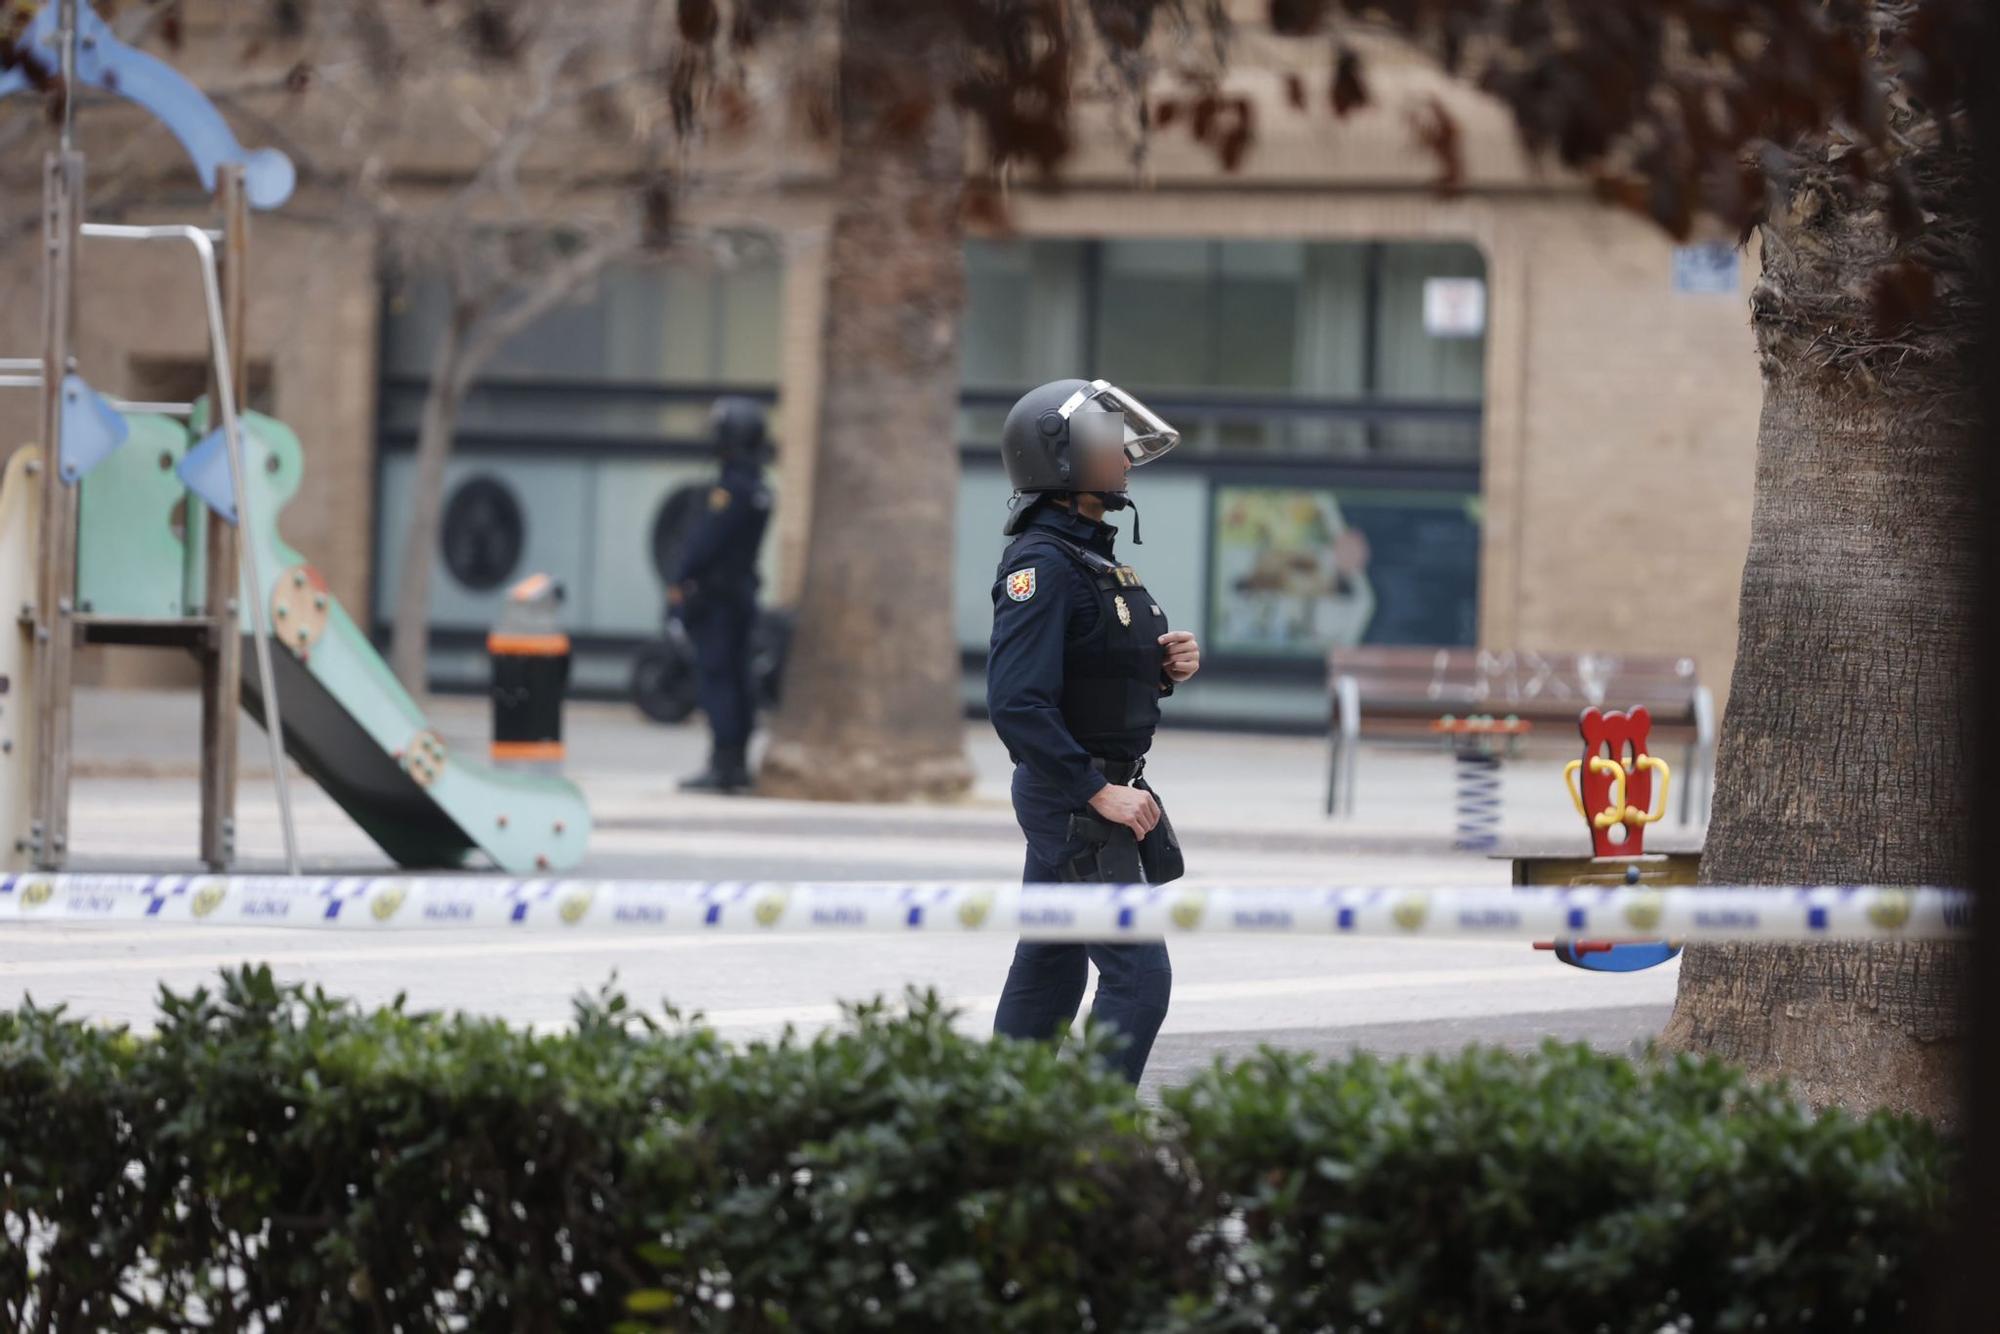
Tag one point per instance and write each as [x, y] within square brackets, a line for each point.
[871, 705]
[1845, 748]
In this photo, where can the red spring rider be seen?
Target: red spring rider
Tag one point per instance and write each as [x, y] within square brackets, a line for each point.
[1616, 792]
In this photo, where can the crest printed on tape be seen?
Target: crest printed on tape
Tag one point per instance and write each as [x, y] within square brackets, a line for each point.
[1021, 584]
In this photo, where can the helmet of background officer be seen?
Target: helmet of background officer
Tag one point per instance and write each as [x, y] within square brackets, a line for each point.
[736, 429]
[1077, 437]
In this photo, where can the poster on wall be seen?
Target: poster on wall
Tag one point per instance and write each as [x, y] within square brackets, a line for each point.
[1298, 570]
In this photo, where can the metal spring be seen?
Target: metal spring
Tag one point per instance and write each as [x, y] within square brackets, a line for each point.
[1477, 804]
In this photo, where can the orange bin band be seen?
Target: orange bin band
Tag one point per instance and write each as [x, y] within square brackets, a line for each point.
[528, 646]
[527, 750]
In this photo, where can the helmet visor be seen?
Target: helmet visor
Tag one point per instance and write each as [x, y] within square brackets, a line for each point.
[1145, 435]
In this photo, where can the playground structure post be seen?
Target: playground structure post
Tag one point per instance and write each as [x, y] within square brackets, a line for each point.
[54, 611]
[215, 635]
[222, 652]
[98, 569]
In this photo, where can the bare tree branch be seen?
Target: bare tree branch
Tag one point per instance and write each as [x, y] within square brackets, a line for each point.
[490, 332]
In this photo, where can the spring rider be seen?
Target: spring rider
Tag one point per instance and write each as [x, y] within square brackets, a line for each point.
[1619, 788]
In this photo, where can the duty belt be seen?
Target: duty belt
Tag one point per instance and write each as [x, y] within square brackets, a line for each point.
[1124, 772]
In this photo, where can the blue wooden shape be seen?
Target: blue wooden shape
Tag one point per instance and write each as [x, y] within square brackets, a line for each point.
[1619, 958]
[104, 62]
[204, 470]
[92, 429]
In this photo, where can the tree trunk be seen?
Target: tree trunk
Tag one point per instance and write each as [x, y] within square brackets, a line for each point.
[409, 642]
[871, 707]
[1845, 744]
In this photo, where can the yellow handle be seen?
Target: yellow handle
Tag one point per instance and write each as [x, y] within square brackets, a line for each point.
[1632, 813]
[1610, 815]
[1615, 812]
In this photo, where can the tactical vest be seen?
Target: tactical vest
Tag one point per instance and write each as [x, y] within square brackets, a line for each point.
[1111, 676]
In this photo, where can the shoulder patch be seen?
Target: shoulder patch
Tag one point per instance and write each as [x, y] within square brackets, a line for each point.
[1021, 584]
[718, 499]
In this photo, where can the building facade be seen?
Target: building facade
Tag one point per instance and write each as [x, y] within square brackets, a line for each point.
[1510, 417]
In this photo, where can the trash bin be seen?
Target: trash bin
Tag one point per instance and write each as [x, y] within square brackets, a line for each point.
[530, 656]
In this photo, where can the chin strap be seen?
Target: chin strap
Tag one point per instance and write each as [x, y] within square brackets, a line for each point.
[1122, 500]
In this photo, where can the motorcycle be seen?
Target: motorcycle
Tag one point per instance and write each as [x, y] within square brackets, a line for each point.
[663, 683]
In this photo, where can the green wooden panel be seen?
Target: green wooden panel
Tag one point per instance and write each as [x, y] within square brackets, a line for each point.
[131, 556]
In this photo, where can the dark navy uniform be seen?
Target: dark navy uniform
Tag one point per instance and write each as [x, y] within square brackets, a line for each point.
[1074, 681]
[718, 579]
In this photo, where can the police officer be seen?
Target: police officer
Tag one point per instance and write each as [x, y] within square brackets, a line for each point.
[1081, 656]
[715, 591]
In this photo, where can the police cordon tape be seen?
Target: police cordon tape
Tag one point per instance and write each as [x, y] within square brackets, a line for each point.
[1042, 912]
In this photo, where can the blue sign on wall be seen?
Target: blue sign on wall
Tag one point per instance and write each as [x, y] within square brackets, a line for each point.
[1710, 269]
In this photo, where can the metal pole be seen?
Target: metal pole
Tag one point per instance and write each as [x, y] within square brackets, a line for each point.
[222, 659]
[67, 27]
[232, 437]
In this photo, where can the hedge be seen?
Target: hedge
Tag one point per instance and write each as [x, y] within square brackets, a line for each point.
[270, 1157]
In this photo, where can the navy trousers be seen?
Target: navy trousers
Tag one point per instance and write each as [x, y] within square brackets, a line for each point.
[1045, 984]
[720, 626]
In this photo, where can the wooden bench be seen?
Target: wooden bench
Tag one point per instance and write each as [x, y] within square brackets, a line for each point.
[1392, 694]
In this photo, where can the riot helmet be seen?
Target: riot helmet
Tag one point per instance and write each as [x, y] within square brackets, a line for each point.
[736, 430]
[1074, 437]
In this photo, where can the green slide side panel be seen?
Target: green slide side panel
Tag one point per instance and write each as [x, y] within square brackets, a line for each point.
[132, 513]
[351, 725]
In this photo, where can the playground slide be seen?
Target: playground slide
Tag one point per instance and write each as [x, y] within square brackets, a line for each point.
[348, 723]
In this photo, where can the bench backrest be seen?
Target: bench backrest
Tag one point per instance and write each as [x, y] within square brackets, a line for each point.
[1428, 682]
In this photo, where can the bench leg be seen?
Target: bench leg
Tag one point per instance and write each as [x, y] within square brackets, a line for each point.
[1353, 757]
[1702, 753]
[1333, 772]
[1346, 745]
[1688, 784]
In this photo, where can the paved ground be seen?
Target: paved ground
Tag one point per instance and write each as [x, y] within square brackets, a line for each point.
[1249, 809]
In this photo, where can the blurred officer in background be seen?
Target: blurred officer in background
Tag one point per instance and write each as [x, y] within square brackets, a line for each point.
[1081, 657]
[714, 590]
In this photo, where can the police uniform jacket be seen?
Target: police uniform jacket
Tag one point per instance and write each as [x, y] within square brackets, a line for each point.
[1075, 669]
[720, 558]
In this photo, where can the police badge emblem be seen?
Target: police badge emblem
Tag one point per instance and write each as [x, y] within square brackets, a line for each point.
[1021, 585]
[1889, 909]
[1124, 612]
[387, 898]
[574, 906]
[207, 897]
[1411, 910]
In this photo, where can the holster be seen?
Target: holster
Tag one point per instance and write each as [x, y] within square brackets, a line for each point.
[1110, 854]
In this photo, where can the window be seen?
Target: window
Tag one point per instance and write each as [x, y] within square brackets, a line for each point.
[1285, 348]
[1328, 395]
[707, 326]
